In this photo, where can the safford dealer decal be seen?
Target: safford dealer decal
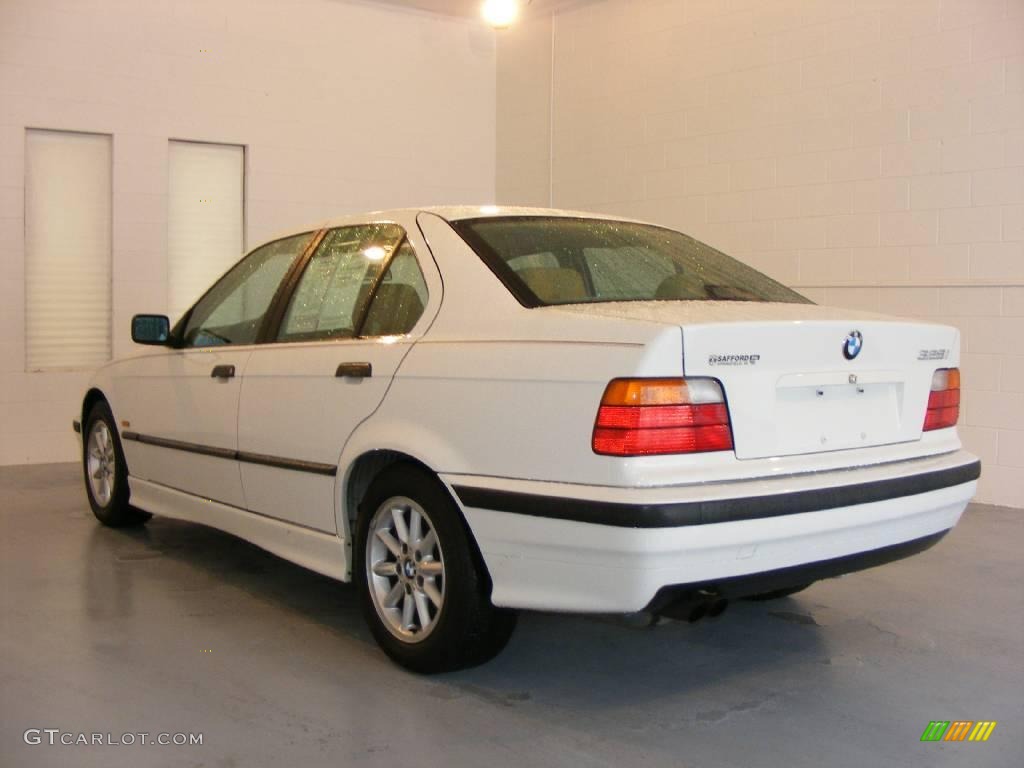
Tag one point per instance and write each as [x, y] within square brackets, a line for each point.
[733, 359]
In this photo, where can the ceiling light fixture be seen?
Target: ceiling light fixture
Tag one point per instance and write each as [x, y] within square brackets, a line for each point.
[500, 13]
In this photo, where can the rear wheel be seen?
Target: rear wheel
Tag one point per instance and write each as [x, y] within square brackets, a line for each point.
[422, 583]
[779, 593]
[106, 474]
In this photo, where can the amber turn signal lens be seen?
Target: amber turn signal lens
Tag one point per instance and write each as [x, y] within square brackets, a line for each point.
[646, 392]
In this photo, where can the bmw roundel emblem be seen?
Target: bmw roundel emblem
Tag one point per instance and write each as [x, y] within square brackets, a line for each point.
[853, 345]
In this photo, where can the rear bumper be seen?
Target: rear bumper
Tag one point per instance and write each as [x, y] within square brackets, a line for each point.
[732, 587]
[551, 546]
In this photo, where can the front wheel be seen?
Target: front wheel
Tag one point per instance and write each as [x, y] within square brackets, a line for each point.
[106, 474]
[422, 583]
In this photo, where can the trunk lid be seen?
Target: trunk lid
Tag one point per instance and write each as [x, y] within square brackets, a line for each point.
[790, 387]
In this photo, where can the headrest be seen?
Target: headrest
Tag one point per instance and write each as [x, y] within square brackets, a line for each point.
[681, 286]
[395, 310]
[554, 285]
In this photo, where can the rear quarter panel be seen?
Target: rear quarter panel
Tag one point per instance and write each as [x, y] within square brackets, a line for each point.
[512, 408]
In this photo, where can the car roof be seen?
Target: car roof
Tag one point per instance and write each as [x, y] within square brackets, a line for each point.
[460, 212]
[447, 212]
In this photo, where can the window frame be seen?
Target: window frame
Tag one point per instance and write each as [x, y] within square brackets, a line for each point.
[274, 316]
[27, 304]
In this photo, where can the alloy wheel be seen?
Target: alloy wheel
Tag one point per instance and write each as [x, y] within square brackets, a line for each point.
[405, 569]
[101, 463]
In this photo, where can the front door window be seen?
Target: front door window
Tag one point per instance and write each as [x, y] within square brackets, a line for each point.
[232, 311]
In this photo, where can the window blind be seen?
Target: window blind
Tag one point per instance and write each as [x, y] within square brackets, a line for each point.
[205, 218]
[68, 199]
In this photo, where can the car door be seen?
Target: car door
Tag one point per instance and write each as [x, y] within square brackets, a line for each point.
[179, 409]
[357, 308]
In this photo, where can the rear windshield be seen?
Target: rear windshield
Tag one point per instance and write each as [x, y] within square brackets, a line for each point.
[547, 260]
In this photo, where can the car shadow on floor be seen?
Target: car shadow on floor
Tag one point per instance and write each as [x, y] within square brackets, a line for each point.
[588, 663]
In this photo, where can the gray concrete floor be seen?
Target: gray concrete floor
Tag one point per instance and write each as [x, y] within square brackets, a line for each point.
[176, 627]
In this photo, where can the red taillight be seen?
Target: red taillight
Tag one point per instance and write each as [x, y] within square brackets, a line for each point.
[943, 400]
[644, 417]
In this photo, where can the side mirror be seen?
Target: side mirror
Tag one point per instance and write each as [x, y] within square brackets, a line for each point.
[151, 329]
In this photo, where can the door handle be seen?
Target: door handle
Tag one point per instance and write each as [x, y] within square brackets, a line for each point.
[354, 371]
[223, 372]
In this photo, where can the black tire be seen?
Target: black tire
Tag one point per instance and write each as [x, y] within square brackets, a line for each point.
[778, 593]
[117, 511]
[467, 630]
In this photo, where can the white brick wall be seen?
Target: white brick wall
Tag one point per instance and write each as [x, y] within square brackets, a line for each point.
[342, 107]
[523, 139]
[869, 152]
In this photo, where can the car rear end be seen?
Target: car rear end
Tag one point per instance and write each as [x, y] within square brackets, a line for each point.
[776, 443]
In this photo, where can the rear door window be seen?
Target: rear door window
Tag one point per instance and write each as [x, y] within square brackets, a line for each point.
[332, 295]
[400, 298]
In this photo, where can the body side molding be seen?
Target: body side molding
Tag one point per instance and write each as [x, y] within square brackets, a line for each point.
[297, 465]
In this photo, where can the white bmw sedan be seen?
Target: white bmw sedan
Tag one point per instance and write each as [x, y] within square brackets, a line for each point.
[469, 411]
